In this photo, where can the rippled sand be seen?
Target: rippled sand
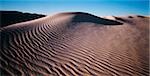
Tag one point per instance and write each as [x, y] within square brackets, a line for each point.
[76, 44]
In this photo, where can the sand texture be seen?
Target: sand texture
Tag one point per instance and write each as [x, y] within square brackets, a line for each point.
[76, 44]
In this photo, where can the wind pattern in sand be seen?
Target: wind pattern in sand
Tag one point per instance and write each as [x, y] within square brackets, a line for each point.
[76, 44]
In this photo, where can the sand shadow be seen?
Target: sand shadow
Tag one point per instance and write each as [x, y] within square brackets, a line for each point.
[86, 17]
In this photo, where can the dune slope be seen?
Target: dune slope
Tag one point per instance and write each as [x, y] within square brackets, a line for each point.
[76, 44]
[12, 17]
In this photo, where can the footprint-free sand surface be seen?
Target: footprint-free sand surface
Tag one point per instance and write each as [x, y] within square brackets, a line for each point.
[76, 44]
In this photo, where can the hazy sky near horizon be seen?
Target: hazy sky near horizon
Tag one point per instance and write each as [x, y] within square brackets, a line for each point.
[97, 7]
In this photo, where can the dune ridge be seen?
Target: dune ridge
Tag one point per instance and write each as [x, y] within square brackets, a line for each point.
[12, 17]
[72, 44]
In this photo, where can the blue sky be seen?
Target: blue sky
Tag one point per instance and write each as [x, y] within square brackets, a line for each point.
[97, 7]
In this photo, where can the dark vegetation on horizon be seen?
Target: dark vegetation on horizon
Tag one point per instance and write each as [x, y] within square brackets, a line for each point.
[12, 17]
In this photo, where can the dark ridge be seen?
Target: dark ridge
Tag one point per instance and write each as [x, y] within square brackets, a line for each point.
[124, 20]
[86, 17]
[130, 17]
[141, 16]
[117, 18]
[12, 17]
[75, 13]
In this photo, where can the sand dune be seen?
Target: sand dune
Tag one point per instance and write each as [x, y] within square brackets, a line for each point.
[12, 17]
[76, 44]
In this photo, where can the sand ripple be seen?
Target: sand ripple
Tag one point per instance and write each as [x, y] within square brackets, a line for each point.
[76, 44]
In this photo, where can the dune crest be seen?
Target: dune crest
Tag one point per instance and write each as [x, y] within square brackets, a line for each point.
[76, 44]
[86, 17]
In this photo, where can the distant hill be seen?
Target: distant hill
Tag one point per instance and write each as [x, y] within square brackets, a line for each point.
[12, 17]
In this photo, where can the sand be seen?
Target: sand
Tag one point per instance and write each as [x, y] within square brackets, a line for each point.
[76, 44]
[12, 17]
